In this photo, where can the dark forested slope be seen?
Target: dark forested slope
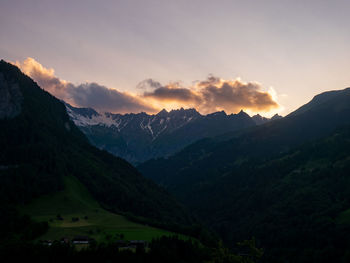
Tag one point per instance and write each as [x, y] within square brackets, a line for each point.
[215, 156]
[39, 145]
[296, 204]
[286, 182]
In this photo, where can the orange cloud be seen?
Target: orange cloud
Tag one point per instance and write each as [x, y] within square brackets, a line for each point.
[210, 95]
[45, 77]
[215, 94]
[174, 92]
[92, 95]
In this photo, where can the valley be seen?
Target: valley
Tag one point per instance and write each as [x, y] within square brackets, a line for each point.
[236, 180]
[73, 212]
[175, 131]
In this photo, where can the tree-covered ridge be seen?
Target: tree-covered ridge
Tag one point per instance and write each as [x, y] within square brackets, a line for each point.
[286, 182]
[293, 203]
[296, 204]
[41, 144]
[214, 156]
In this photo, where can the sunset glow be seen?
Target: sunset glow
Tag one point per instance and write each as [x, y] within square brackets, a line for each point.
[207, 96]
[175, 131]
[279, 48]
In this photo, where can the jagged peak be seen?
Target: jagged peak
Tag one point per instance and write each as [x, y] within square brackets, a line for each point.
[163, 112]
[276, 116]
[190, 111]
[243, 113]
[218, 113]
[177, 110]
[81, 111]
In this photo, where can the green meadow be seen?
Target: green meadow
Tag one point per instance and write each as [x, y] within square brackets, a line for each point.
[74, 212]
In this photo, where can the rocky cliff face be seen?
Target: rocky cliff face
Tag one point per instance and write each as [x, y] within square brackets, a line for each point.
[10, 98]
[139, 137]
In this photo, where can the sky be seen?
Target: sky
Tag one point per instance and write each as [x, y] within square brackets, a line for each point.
[129, 56]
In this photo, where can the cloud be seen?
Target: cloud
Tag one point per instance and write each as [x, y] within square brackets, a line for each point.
[236, 95]
[211, 80]
[174, 92]
[214, 94]
[207, 96]
[148, 83]
[104, 99]
[92, 95]
[44, 77]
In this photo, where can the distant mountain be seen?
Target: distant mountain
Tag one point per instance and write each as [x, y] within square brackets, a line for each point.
[283, 181]
[311, 121]
[258, 119]
[139, 137]
[213, 156]
[40, 145]
[324, 100]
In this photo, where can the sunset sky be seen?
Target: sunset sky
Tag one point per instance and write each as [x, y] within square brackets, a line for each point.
[132, 56]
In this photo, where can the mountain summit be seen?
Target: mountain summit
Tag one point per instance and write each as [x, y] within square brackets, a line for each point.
[283, 181]
[139, 137]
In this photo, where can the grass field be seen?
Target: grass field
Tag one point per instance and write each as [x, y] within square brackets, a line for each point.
[76, 202]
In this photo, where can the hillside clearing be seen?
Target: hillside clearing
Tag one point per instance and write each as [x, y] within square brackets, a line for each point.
[73, 212]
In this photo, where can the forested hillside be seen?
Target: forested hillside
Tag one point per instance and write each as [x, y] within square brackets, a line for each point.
[40, 145]
[285, 182]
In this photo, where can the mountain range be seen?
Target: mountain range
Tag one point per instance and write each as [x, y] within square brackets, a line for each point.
[285, 182]
[140, 137]
[40, 145]
[321, 117]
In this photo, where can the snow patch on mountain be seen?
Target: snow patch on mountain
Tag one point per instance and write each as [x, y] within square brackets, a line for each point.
[152, 125]
[89, 120]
